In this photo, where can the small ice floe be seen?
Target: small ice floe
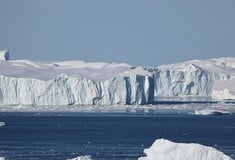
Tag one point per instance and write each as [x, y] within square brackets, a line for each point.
[1, 125]
[163, 149]
[206, 112]
[87, 157]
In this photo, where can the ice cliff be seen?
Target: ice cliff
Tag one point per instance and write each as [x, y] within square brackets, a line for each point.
[166, 150]
[73, 83]
[78, 83]
[192, 78]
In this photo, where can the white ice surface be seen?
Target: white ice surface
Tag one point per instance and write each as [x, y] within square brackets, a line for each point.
[50, 70]
[163, 149]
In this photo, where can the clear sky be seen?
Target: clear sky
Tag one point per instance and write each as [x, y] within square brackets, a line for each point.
[138, 32]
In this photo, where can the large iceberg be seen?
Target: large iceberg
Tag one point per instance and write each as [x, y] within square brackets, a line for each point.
[194, 78]
[166, 150]
[24, 82]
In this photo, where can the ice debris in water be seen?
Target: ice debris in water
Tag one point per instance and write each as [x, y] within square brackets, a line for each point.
[215, 112]
[87, 157]
[1, 125]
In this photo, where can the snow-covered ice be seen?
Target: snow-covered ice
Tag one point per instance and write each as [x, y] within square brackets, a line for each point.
[24, 82]
[163, 149]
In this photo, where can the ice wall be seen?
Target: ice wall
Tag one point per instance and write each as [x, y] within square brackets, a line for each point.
[64, 90]
[79, 83]
[191, 80]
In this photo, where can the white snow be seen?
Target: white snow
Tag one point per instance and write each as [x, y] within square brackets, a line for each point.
[205, 112]
[24, 82]
[87, 157]
[163, 149]
[4, 55]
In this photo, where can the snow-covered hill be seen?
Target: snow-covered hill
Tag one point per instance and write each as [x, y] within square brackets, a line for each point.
[76, 82]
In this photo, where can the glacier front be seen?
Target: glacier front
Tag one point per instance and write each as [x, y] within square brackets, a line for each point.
[24, 82]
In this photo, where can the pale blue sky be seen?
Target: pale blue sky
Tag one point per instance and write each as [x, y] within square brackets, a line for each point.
[138, 32]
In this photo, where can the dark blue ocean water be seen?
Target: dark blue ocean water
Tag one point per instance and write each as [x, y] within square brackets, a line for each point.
[109, 136]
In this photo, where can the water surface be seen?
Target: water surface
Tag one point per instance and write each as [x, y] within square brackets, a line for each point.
[111, 136]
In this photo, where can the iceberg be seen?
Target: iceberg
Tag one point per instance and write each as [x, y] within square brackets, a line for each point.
[163, 149]
[24, 82]
[192, 78]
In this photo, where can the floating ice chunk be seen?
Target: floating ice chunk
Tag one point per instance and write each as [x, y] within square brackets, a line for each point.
[1, 125]
[87, 157]
[166, 150]
[206, 112]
